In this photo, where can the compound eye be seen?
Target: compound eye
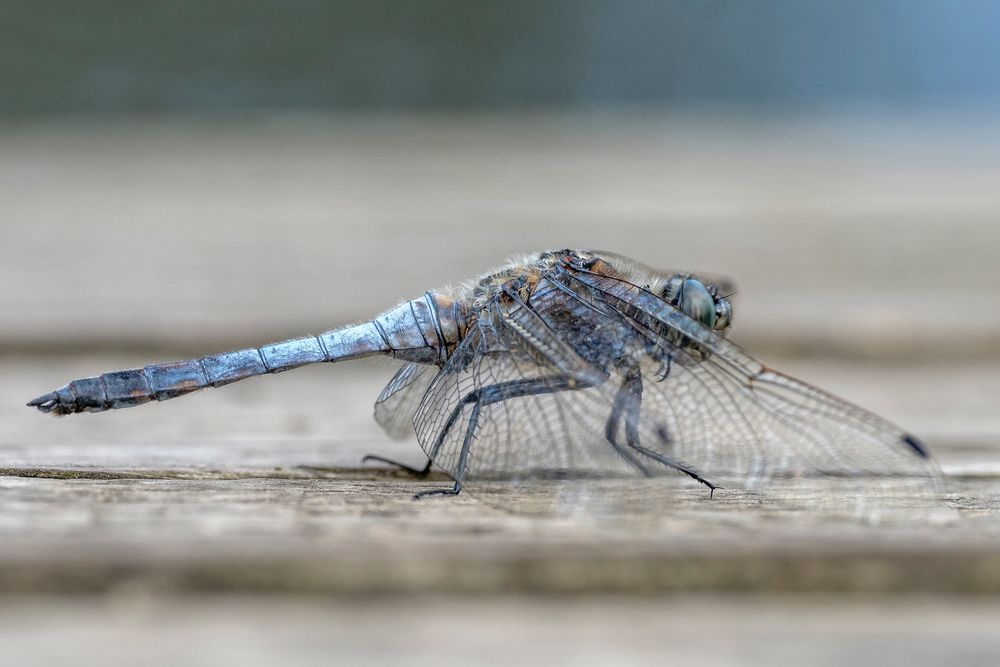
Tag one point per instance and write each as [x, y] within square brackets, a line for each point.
[697, 302]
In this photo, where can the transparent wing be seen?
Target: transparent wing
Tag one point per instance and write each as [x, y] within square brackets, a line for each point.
[536, 410]
[754, 428]
[736, 419]
[608, 382]
[525, 433]
[395, 406]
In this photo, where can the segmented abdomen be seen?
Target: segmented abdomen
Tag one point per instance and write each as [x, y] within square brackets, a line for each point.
[424, 330]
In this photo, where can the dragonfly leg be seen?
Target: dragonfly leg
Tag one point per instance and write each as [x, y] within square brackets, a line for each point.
[439, 492]
[611, 431]
[632, 390]
[486, 396]
[416, 472]
[664, 371]
[470, 433]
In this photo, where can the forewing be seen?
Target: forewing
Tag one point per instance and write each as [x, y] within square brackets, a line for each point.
[752, 428]
[396, 405]
[735, 419]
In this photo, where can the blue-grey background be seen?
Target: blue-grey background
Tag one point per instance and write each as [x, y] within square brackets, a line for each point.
[60, 56]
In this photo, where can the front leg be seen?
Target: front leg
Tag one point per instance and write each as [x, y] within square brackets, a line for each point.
[630, 394]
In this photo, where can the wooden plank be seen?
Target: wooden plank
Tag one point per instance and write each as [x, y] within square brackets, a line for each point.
[258, 486]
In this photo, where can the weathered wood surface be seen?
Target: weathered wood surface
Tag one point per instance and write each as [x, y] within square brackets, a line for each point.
[865, 256]
[259, 486]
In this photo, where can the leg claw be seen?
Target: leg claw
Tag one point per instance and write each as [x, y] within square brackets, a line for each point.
[438, 492]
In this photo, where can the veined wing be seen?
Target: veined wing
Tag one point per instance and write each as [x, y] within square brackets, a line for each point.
[395, 406]
[732, 416]
[516, 403]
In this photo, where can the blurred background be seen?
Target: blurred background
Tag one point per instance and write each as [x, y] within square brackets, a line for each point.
[234, 58]
[188, 177]
[187, 173]
[191, 173]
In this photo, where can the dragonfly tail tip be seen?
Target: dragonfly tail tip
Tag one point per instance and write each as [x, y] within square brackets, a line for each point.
[45, 403]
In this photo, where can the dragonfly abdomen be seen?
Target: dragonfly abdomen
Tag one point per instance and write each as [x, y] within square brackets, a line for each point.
[159, 382]
[424, 330]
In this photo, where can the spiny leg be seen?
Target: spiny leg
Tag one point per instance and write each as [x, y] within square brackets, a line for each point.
[611, 431]
[632, 390]
[486, 396]
[470, 433]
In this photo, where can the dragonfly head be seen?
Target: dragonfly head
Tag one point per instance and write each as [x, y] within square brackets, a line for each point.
[699, 301]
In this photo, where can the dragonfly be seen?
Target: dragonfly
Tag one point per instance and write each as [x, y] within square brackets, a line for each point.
[567, 364]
